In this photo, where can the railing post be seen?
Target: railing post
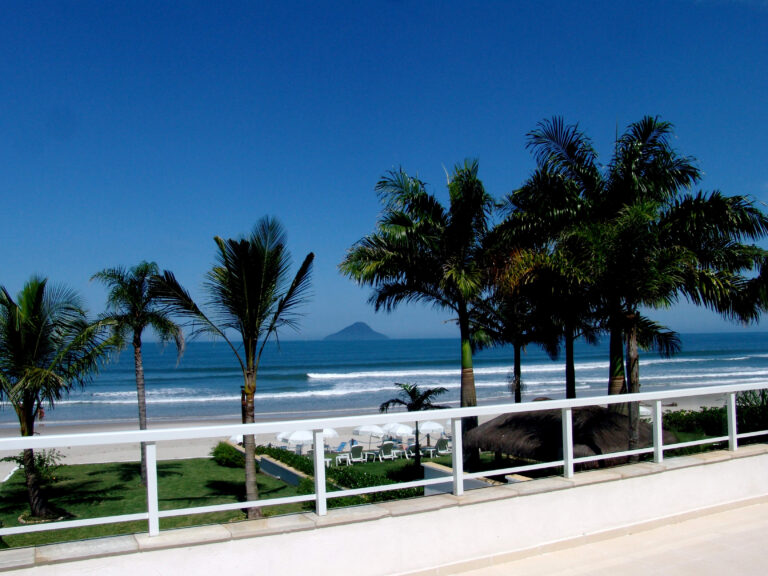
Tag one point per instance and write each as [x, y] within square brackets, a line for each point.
[658, 436]
[733, 441]
[567, 442]
[321, 504]
[458, 457]
[152, 505]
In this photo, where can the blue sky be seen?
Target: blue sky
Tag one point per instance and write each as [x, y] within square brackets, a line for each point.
[140, 130]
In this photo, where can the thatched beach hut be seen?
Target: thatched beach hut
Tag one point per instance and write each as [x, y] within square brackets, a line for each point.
[538, 435]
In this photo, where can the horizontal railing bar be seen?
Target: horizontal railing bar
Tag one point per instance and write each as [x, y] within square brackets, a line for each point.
[516, 469]
[388, 487]
[752, 434]
[166, 434]
[713, 440]
[624, 454]
[27, 528]
[235, 506]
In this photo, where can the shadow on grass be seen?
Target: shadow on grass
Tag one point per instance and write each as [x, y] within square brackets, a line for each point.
[227, 488]
[168, 469]
[125, 471]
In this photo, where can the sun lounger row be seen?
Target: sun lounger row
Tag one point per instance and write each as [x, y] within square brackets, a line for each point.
[389, 451]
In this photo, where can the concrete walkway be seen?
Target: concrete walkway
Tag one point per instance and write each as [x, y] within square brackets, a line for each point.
[728, 542]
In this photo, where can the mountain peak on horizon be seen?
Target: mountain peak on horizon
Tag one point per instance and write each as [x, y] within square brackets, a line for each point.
[357, 331]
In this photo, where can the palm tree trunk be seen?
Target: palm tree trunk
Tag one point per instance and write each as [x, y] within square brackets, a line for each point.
[616, 380]
[633, 383]
[417, 456]
[142, 394]
[517, 378]
[570, 369]
[38, 503]
[468, 394]
[249, 444]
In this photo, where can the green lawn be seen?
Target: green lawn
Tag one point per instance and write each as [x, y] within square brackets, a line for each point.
[97, 490]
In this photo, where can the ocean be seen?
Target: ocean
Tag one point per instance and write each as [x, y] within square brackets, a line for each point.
[317, 378]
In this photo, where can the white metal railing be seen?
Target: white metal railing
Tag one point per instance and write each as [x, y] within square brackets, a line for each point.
[321, 496]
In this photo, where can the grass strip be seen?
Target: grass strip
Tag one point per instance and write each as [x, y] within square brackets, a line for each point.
[99, 490]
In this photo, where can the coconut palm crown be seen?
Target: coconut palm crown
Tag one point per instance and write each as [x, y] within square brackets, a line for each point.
[424, 252]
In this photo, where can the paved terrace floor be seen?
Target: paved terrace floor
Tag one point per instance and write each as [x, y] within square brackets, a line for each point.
[727, 542]
[730, 541]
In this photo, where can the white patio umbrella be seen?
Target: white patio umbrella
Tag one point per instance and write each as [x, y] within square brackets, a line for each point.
[296, 436]
[369, 430]
[330, 433]
[398, 429]
[430, 428]
[327, 433]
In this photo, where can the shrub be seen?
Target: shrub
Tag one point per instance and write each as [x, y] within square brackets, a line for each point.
[47, 462]
[300, 463]
[227, 455]
[707, 421]
[347, 477]
[752, 410]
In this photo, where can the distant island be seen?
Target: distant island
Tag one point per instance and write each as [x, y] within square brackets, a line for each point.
[357, 331]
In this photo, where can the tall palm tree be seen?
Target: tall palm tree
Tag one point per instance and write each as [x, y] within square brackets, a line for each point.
[541, 256]
[251, 293]
[414, 399]
[658, 242]
[423, 252]
[132, 306]
[47, 347]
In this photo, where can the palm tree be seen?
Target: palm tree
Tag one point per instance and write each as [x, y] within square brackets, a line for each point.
[541, 254]
[657, 241]
[251, 293]
[423, 252]
[414, 399]
[47, 347]
[132, 306]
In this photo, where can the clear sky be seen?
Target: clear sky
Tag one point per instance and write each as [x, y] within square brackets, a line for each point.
[139, 130]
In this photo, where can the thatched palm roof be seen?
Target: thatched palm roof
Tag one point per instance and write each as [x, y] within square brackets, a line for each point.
[538, 435]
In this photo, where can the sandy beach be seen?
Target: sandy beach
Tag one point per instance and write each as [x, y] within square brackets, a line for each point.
[170, 450]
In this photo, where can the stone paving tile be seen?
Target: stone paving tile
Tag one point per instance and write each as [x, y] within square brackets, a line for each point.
[84, 549]
[640, 469]
[680, 462]
[750, 450]
[541, 485]
[416, 505]
[267, 526]
[183, 537]
[350, 515]
[594, 477]
[718, 456]
[485, 495]
[17, 558]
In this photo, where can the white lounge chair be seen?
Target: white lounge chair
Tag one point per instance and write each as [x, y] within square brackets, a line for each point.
[386, 452]
[356, 453]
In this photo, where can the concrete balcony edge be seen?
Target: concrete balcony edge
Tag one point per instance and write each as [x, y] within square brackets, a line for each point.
[71, 552]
